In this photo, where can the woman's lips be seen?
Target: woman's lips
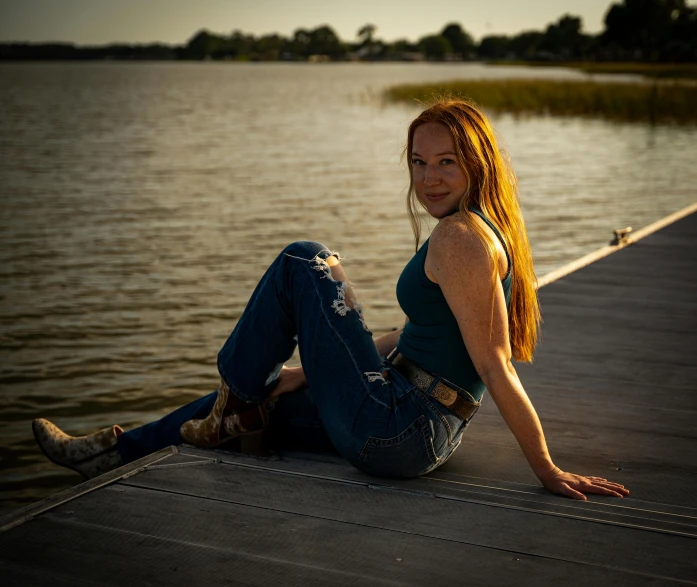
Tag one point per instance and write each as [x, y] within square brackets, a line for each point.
[435, 197]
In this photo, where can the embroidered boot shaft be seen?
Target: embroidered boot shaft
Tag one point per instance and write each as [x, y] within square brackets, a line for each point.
[230, 417]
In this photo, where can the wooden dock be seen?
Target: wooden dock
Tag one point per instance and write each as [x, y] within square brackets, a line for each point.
[615, 384]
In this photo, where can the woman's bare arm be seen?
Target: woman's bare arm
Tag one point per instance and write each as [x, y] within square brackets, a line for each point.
[458, 261]
[387, 342]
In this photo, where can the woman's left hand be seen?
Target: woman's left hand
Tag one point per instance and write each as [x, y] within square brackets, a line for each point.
[574, 486]
[289, 379]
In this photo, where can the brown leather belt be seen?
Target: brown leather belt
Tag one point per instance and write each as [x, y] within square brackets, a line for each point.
[441, 392]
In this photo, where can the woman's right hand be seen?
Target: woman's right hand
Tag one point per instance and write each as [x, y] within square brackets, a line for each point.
[289, 379]
[574, 486]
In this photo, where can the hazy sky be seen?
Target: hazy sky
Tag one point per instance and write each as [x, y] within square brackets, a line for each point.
[175, 21]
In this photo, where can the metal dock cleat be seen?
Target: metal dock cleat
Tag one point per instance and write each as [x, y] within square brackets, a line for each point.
[621, 236]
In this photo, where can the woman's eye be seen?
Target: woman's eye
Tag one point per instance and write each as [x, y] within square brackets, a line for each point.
[447, 162]
[417, 162]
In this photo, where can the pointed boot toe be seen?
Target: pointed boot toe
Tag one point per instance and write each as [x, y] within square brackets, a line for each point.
[89, 455]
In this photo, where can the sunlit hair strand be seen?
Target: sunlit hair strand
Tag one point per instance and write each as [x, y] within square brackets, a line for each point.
[492, 189]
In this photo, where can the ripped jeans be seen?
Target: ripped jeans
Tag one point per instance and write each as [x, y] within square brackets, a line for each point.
[373, 416]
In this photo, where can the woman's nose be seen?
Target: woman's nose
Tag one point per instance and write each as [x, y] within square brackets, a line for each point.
[431, 176]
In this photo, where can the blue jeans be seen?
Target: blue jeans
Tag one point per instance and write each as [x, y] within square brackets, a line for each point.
[373, 416]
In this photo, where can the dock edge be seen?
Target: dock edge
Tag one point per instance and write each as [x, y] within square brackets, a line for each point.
[582, 262]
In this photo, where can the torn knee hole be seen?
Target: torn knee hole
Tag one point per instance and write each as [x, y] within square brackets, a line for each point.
[339, 304]
[342, 306]
[325, 264]
[346, 299]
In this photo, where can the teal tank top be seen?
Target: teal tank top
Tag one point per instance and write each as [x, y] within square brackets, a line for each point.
[431, 338]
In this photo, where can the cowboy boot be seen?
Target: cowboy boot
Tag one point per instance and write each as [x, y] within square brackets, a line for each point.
[89, 455]
[230, 417]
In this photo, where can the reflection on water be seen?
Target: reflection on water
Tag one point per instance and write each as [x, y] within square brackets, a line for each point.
[141, 203]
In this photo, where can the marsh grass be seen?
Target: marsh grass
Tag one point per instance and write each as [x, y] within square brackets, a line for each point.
[653, 103]
[652, 70]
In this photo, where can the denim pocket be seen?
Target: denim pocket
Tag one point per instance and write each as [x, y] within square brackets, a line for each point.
[446, 425]
[408, 454]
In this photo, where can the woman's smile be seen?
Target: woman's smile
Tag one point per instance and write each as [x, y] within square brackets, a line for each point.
[439, 180]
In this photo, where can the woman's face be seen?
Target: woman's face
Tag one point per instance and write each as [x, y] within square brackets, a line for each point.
[439, 181]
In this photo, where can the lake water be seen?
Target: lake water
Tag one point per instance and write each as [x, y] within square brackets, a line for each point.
[141, 203]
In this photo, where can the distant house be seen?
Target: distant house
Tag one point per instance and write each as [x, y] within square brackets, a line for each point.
[411, 56]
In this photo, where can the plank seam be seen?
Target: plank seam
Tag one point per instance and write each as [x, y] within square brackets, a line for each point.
[471, 500]
[483, 502]
[224, 549]
[399, 531]
[30, 512]
[595, 503]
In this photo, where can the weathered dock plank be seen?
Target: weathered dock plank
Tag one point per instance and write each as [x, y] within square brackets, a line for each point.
[615, 384]
[240, 522]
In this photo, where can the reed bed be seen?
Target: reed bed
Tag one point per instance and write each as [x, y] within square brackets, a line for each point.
[651, 70]
[652, 103]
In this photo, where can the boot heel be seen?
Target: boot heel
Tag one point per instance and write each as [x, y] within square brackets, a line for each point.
[256, 443]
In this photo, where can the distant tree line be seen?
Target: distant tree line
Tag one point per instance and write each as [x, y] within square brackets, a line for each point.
[635, 30]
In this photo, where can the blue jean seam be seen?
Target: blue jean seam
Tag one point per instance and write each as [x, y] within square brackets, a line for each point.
[223, 374]
[419, 426]
[436, 411]
[320, 299]
[313, 275]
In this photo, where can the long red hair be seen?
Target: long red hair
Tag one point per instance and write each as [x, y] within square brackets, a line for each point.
[493, 189]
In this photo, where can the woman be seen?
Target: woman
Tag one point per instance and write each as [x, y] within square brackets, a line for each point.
[469, 294]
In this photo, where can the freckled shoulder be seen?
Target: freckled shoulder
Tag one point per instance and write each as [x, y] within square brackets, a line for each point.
[453, 242]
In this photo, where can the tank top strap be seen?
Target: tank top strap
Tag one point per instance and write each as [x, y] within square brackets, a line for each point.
[497, 233]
